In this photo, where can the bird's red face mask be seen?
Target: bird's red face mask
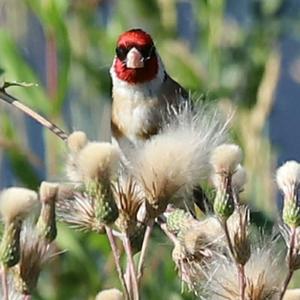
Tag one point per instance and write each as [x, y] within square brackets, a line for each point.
[136, 59]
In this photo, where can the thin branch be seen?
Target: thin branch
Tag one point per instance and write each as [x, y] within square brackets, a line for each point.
[128, 250]
[116, 255]
[31, 113]
[144, 250]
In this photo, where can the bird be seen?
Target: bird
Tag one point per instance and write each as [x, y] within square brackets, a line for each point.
[142, 90]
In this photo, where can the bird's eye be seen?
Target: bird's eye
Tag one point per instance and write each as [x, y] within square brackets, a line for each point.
[121, 52]
[147, 52]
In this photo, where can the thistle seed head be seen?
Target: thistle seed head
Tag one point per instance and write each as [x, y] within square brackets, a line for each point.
[110, 294]
[35, 253]
[98, 161]
[225, 158]
[177, 158]
[17, 203]
[76, 141]
[288, 178]
[129, 200]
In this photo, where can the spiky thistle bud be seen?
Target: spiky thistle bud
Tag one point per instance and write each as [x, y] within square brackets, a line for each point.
[225, 160]
[178, 220]
[110, 294]
[46, 224]
[288, 179]
[76, 141]
[15, 205]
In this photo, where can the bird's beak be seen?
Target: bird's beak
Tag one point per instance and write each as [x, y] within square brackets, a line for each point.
[134, 59]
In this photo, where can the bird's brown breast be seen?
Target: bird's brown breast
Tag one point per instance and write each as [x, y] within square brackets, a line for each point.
[135, 119]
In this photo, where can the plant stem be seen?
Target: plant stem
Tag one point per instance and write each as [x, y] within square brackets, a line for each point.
[227, 236]
[4, 283]
[242, 281]
[290, 263]
[240, 268]
[116, 255]
[170, 235]
[128, 250]
[143, 251]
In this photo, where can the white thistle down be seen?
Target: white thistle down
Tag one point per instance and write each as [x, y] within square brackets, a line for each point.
[288, 177]
[98, 160]
[178, 157]
[75, 142]
[109, 294]
[263, 276]
[17, 203]
[239, 179]
[225, 158]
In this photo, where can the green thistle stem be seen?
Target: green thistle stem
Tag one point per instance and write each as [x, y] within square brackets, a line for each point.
[106, 210]
[46, 224]
[10, 244]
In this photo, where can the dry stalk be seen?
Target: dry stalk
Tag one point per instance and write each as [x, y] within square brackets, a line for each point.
[290, 262]
[131, 266]
[144, 250]
[116, 255]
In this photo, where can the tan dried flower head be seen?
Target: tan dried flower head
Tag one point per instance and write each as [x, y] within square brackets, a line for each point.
[98, 160]
[48, 191]
[77, 210]
[110, 294]
[191, 272]
[263, 277]
[76, 141]
[288, 177]
[129, 199]
[17, 203]
[292, 294]
[35, 253]
[178, 157]
[225, 158]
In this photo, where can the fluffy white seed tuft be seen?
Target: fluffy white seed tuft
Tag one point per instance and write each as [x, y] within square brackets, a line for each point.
[76, 141]
[225, 158]
[288, 176]
[292, 294]
[17, 203]
[110, 294]
[179, 156]
[96, 160]
[263, 276]
[239, 178]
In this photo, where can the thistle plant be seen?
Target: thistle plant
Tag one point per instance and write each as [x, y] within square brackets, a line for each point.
[288, 180]
[25, 246]
[125, 194]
